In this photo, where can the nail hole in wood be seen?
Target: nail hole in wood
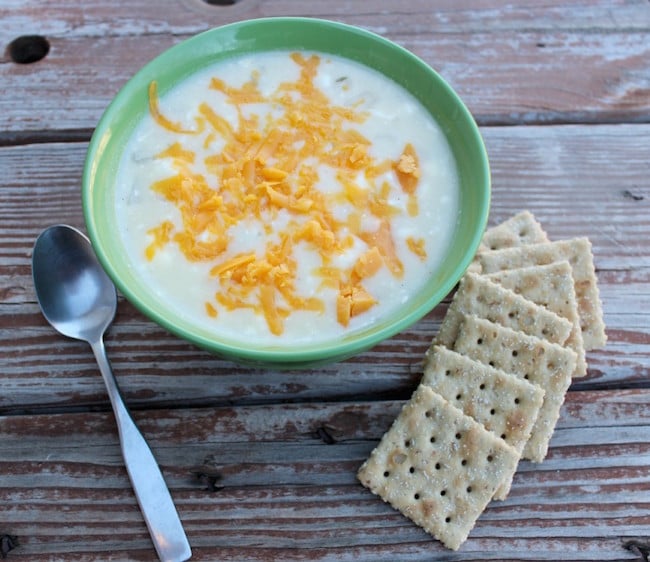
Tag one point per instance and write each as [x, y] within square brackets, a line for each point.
[7, 544]
[28, 48]
[325, 435]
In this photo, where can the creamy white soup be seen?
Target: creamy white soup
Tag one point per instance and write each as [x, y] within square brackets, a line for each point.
[286, 197]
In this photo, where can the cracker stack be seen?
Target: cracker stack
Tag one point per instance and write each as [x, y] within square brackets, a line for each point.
[495, 378]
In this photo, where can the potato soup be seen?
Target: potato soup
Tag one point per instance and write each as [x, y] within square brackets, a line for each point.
[286, 197]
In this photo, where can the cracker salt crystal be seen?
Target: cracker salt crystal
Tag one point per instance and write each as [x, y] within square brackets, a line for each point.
[478, 295]
[552, 287]
[577, 252]
[536, 360]
[505, 404]
[518, 230]
[439, 467]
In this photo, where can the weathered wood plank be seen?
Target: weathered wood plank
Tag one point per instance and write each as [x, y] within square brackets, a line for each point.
[63, 18]
[568, 176]
[262, 483]
[510, 63]
[577, 180]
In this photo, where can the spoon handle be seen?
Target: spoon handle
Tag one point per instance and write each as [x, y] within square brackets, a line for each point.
[148, 484]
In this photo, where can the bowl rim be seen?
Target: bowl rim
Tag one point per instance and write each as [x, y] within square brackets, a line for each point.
[329, 350]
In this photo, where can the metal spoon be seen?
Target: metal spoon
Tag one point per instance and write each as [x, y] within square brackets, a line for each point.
[79, 300]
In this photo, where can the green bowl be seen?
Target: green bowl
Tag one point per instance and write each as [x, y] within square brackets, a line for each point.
[192, 55]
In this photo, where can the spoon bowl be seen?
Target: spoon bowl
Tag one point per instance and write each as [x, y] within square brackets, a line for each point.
[75, 294]
[79, 300]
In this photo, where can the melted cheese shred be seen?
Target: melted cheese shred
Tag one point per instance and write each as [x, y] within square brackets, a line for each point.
[268, 166]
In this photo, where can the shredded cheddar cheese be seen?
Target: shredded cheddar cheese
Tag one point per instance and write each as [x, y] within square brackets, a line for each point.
[417, 246]
[268, 169]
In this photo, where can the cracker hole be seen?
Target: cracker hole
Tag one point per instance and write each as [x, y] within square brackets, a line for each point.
[503, 436]
[551, 366]
[482, 386]
[411, 470]
[459, 396]
[386, 474]
[517, 400]
[526, 376]
[479, 341]
[447, 519]
[463, 462]
[491, 363]
[443, 492]
[432, 439]
[545, 331]
[515, 353]
[493, 411]
[469, 489]
[447, 372]
[427, 414]
[416, 496]
[511, 314]
[437, 466]
[407, 444]
[458, 435]
[490, 458]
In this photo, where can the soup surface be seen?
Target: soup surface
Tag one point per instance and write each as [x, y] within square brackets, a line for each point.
[286, 197]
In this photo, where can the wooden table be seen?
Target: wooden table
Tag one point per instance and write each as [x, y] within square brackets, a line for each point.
[262, 464]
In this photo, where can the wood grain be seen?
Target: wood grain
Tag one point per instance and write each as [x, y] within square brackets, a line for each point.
[261, 483]
[510, 64]
[538, 168]
[261, 463]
